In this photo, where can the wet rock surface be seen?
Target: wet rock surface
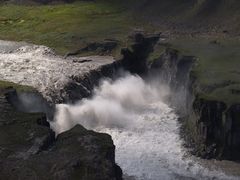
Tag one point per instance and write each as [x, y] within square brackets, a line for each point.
[218, 129]
[103, 48]
[29, 149]
[173, 68]
[211, 128]
[135, 57]
[134, 60]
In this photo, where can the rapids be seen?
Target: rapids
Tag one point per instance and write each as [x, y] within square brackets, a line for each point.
[144, 128]
[39, 67]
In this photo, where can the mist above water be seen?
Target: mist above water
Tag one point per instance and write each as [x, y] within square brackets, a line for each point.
[144, 129]
[113, 105]
[39, 67]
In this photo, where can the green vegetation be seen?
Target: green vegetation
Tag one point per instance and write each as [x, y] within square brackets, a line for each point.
[217, 69]
[6, 84]
[65, 27]
[69, 27]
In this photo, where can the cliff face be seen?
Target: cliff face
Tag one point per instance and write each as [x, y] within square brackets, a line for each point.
[29, 149]
[82, 86]
[134, 60]
[217, 127]
[173, 69]
[210, 127]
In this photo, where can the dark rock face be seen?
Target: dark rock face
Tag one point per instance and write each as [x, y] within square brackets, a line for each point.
[173, 69]
[29, 102]
[28, 147]
[232, 141]
[217, 128]
[82, 86]
[102, 48]
[210, 127]
[93, 155]
[29, 150]
[133, 60]
[135, 57]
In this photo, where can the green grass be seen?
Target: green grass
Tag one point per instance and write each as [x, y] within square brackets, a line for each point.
[218, 66]
[6, 84]
[68, 27]
[65, 27]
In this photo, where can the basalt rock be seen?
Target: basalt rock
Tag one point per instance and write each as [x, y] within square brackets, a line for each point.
[30, 150]
[82, 86]
[210, 127]
[217, 129]
[135, 57]
[134, 60]
[173, 69]
[102, 48]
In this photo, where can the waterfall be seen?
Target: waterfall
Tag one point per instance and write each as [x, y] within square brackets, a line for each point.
[144, 129]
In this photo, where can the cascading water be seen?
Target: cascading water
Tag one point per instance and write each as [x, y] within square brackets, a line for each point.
[144, 129]
[39, 67]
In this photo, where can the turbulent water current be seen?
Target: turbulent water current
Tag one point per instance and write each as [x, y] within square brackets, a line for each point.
[145, 130]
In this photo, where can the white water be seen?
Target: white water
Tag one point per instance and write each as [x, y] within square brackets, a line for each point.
[39, 67]
[144, 129]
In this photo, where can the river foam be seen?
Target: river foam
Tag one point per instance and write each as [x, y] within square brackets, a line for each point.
[39, 67]
[144, 129]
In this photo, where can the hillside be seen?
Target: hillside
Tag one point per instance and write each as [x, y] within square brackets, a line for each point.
[102, 27]
[193, 44]
[197, 15]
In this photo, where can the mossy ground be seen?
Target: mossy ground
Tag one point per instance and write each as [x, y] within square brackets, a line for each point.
[218, 66]
[64, 27]
[68, 27]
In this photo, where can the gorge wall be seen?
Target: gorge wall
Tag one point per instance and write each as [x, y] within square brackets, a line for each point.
[209, 126]
[29, 148]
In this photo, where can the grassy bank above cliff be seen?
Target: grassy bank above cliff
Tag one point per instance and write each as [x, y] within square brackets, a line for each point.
[64, 27]
[217, 69]
[69, 27]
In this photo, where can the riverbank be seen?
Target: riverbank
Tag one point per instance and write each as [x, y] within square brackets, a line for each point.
[102, 28]
[151, 41]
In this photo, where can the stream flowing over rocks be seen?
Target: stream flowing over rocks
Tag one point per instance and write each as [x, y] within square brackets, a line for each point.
[39, 67]
[144, 128]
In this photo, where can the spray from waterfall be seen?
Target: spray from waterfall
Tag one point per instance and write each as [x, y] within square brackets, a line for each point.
[144, 129]
[112, 105]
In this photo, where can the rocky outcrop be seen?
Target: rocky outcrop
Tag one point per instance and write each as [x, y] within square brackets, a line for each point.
[217, 129]
[134, 60]
[173, 69]
[135, 57]
[102, 48]
[211, 127]
[82, 86]
[29, 149]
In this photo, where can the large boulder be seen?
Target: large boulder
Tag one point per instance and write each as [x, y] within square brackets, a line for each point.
[30, 150]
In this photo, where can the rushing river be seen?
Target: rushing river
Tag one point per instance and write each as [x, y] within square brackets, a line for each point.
[144, 128]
